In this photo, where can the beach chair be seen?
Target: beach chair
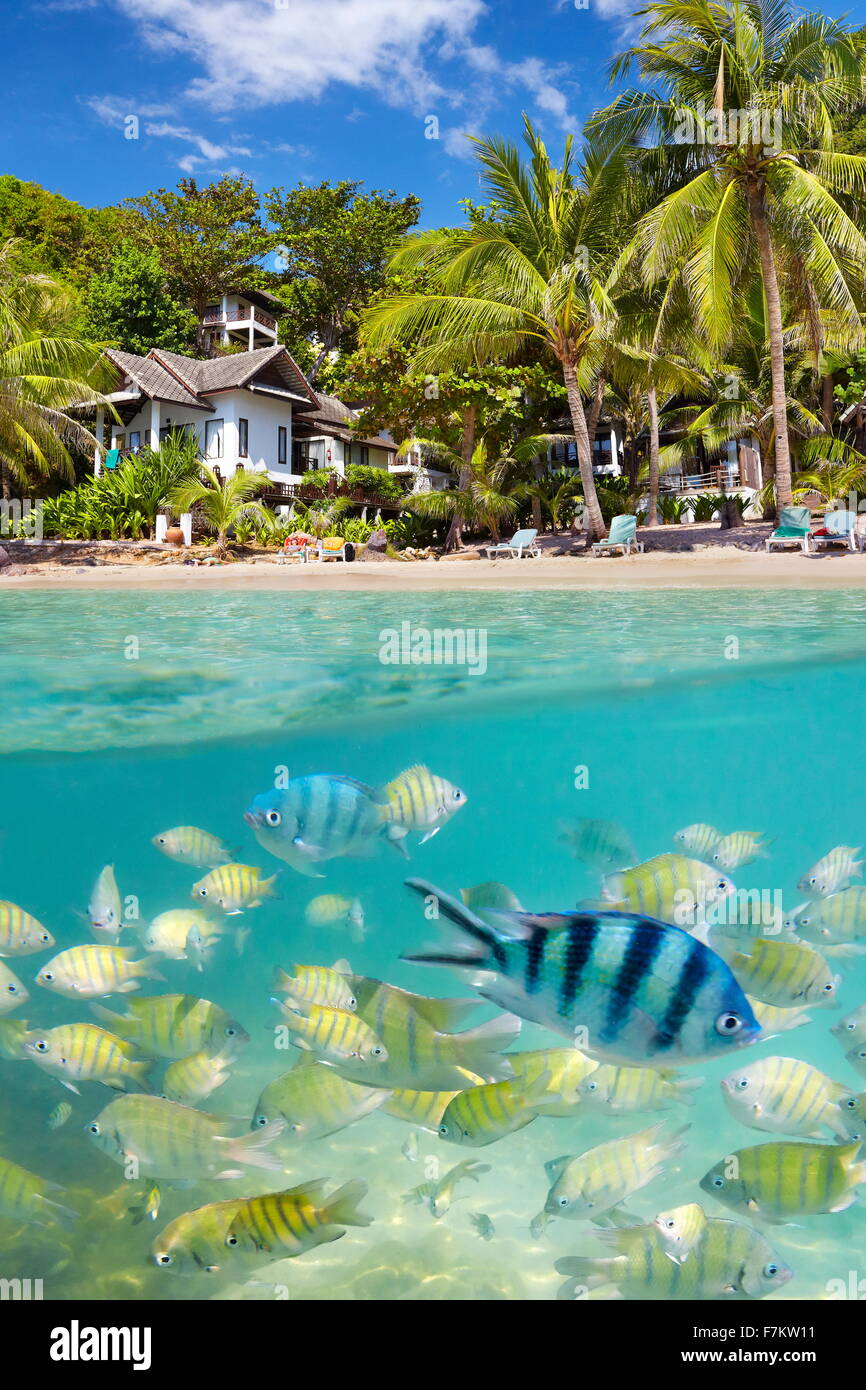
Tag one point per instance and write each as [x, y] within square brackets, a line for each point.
[521, 543]
[623, 532]
[795, 525]
[332, 548]
[840, 528]
[295, 547]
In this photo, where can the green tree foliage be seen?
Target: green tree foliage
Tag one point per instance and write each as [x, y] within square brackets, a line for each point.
[132, 306]
[53, 235]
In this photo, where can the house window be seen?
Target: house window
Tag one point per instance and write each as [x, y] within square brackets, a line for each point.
[359, 453]
[120, 442]
[282, 443]
[135, 440]
[243, 438]
[213, 439]
[300, 455]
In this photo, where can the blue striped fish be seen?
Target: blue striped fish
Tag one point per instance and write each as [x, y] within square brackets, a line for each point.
[623, 987]
[317, 818]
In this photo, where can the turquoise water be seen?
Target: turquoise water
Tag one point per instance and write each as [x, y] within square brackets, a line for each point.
[125, 714]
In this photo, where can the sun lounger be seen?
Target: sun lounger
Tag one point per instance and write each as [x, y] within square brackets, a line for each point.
[795, 527]
[521, 543]
[332, 548]
[840, 529]
[623, 532]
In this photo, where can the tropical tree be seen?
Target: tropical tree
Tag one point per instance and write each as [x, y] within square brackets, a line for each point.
[481, 493]
[223, 504]
[45, 370]
[527, 279]
[740, 125]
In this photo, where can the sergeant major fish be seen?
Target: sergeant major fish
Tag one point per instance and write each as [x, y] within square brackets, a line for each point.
[105, 909]
[418, 800]
[167, 1140]
[317, 818]
[21, 934]
[831, 873]
[189, 845]
[235, 888]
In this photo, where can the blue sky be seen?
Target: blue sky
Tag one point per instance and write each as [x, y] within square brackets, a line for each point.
[293, 90]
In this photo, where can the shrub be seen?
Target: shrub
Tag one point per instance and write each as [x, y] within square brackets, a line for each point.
[123, 502]
[374, 482]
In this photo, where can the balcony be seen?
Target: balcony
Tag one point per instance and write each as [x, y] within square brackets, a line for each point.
[216, 318]
[309, 492]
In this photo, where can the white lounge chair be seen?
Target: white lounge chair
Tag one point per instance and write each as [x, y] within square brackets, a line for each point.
[521, 543]
[795, 526]
[623, 532]
[840, 527]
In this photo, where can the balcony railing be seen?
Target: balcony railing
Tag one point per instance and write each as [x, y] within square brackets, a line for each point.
[216, 316]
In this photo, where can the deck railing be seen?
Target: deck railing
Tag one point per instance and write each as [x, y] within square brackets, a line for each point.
[216, 316]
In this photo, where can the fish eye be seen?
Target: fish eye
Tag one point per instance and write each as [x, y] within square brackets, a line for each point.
[41, 1046]
[812, 881]
[13, 989]
[160, 839]
[377, 1052]
[770, 1271]
[93, 1129]
[48, 975]
[164, 1259]
[45, 938]
[352, 1002]
[851, 1104]
[443, 1130]
[563, 1201]
[592, 1085]
[742, 1083]
[202, 892]
[728, 1023]
[231, 1242]
[262, 1120]
[458, 795]
[231, 1032]
[273, 818]
[830, 988]
[718, 1180]
[722, 883]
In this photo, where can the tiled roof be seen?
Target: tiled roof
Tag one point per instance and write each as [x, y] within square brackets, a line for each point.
[167, 376]
[337, 419]
[154, 380]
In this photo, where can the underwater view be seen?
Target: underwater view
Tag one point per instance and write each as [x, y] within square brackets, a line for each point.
[514, 952]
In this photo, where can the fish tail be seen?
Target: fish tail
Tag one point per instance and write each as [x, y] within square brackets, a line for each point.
[254, 1149]
[476, 947]
[587, 1270]
[266, 887]
[55, 1211]
[480, 1049]
[342, 1207]
[147, 970]
[685, 1087]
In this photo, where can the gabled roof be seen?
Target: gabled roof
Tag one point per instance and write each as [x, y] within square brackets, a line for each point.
[335, 418]
[167, 376]
[154, 380]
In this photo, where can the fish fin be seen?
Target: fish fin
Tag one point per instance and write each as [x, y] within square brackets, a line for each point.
[444, 1015]
[480, 933]
[685, 1086]
[252, 1149]
[229, 1173]
[429, 835]
[266, 887]
[554, 1167]
[54, 1211]
[313, 1189]
[110, 1016]
[130, 986]
[397, 841]
[342, 966]
[342, 1207]
[146, 968]
[480, 1049]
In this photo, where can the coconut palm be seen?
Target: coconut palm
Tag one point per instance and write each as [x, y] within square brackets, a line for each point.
[223, 504]
[741, 126]
[527, 279]
[44, 371]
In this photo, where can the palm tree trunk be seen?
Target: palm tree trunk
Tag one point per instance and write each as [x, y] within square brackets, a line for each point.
[760, 225]
[454, 538]
[595, 522]
[827, 401]
[652, 516]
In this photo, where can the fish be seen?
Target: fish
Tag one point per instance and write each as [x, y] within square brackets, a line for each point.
[483, 1114]
[779, 1182]
[286, 1224]
[492, 894]
[539, 1224]
[837, 920]
[173, 1025]
[423, 1053]
[784, 1096]
[587, 1185]
[189, 845]
[235, 888]
[161, 1139]
[317, 818]
[25, 1197]
[318, 984]
[334, 1035]
[738, 849]
[87, 972]
[195, 1242]
[852, 1028]
[831, 873]
[602, 844]
[199, 948]
[169, 933]
[104, 908]
[148, 1208]
[623, 987]
[13, 1032]
[329, 909]
[670, 887]
[566, 1068]
[21, 934]
[730, 1261]
[482, 1225]
[409, 1148]
[776, 1020]
[852, 1115]
[313, 1101]
[192, 1079]
[626, 1089]
[13, 993]
[418, 800]
[423, 1108]
[437, 1194]
[784, 973]
[698, 840]
[681, 1230]
[59, 1115]
[856, 1058]
[82, 1052]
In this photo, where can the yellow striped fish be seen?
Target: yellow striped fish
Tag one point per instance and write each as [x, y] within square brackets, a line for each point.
[12, 992]
[586, 1185]
[173, 1025]
[831, 873]
[424, 1108]
[738, 849]
[419, 800]
[783, 973]
[24, 1197]
[235, 888]
[329, 909]
[314, 1100]
[82, 1052]
[165, 1140]
[189, 845]
[334, 1035]
[857, 1058]
[851, 1028]
[699, 840]
[670, 888]
[437, 1194]
[483, 1114]
[317, 984]
[730, 1260]
[626, 1089]
[681, 1229]
[852, 1114]
[285, 1224]
[59, 1115]
[834, 921]
[21, 934]
[191, 1079]
[86, 972]
[566, 1067]
[491, 895]
[169, 933]
[784, 1096]
[13, 1032]
[782, 1181]
[195, 1243]
[602, 844]
[775, 1020]
[105, 909]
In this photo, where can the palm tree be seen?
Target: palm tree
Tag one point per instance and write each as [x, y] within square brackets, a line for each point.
[223, 503]
[527, 279]
[44, 371]
[480, 495]
[743, 125]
